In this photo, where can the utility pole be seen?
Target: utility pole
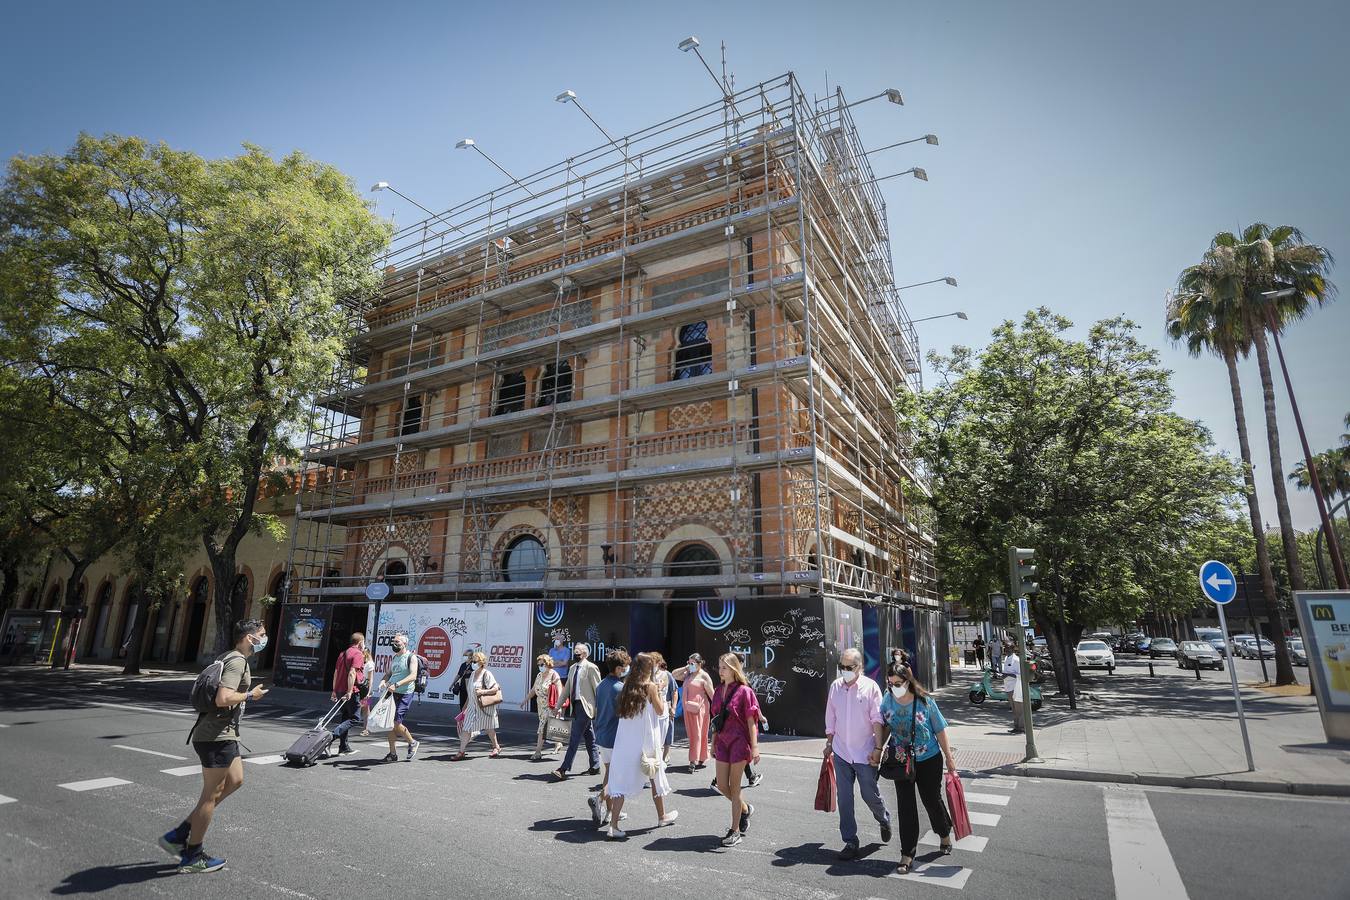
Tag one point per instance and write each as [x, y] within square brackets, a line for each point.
[1021, 571]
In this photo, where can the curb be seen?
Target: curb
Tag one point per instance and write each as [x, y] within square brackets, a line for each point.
[1206, 782]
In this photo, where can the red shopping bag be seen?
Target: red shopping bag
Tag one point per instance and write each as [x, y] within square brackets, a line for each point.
[825, 795]
[956, 805]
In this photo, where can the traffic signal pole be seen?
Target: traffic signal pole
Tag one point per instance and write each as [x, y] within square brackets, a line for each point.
[1021, 571]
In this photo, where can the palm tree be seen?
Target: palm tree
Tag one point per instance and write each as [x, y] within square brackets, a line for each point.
[1199, 316]
[1262, 260]
[1333, 471]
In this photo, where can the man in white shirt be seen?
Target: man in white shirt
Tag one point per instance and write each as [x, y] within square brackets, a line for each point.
[1012, 683]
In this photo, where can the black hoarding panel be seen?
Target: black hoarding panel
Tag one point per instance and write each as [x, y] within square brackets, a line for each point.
[302, 653]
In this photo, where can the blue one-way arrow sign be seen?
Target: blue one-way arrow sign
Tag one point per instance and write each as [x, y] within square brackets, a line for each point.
[1217, 582]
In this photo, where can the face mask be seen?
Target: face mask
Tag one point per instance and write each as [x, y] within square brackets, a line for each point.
[897, 658]
[623, 673]
[475, 667]
[398, 649]
[898, 691]
[850, 677]
[693, 667]
[542, 667]
[261, 645]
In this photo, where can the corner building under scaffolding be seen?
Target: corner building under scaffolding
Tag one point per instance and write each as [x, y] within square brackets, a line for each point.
[650, 390]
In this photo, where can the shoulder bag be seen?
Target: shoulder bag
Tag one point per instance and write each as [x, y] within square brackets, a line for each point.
[488, 701]
[897, 764]
[719, 721]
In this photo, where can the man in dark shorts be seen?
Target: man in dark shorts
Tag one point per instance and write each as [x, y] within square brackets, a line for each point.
[215, 737]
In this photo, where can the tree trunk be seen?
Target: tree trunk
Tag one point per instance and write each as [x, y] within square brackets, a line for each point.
[68, 620]
[136, 649]
[224, 574]
[1284, 669]
[9, 588]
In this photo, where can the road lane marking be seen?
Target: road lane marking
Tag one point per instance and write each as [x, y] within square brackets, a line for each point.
[975, 843]
[265, 760]
[1141, 864]
[146, 709]
[93, 784]
[4, 800]
[982, 818]
[151, 752]
[940, 875]
[3, 725]
[989, 799]
[188, 770]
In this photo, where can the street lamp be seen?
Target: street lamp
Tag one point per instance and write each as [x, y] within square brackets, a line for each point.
[571, 97]
[468, 144]
[930, 139]
[960, 315]
[946, 278]
[921, 174]
[1314, 477]
[386, 186]
[692, 43]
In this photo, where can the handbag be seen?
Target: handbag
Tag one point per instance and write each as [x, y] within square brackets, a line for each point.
[897, 764]
[382, 716]
[825, 788]
[557, 730]
[719, 721]
[650, 765]
[493, 699]
[956, 806]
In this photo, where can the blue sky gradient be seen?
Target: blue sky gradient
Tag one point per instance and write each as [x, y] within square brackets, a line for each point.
[1089, 151]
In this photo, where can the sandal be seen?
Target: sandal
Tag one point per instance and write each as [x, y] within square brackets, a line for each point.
[496, 752]
[945, 847]
[905, 863]
[458, 756]
[536, 757]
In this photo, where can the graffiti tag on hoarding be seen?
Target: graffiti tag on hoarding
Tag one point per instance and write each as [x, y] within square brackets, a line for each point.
[811, 634]
[809, 673]
[454, 626]
[766, 686]
[736, 636]
[775, 629]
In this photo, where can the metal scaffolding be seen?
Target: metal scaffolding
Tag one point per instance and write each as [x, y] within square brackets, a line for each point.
[687, 337]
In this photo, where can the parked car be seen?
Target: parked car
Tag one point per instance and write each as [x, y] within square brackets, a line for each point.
[1095, 655]
[1240, 641]
[1220, 646]
[1208, 634]
[1198, 655]
[1297, 655]
[1142, 645]
[1159, 647]
[1251, 649]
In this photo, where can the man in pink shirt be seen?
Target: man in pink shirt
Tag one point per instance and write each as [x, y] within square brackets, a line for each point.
[349, 683]
[853, 737]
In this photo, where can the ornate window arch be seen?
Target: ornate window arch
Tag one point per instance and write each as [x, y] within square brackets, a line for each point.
[525, 559]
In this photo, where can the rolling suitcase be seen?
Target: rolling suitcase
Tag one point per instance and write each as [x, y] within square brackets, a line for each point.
[313, 743]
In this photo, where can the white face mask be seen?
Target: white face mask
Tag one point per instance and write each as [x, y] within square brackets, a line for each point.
[542, 667]
[898, 691]
[623, 673]
[693, 667]
[850, 677]
[475, 667]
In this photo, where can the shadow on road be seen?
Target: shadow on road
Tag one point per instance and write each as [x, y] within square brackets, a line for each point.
[816, 854]
[101, 878]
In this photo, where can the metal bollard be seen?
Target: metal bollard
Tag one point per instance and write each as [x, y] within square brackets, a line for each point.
[1150, 667]
[1197, 671]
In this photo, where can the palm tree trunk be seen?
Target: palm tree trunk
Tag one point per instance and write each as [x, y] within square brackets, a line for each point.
[1284, 669]
[1283, 674]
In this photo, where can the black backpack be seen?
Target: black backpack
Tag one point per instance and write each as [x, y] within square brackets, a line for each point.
[207, 684]
[423, 674]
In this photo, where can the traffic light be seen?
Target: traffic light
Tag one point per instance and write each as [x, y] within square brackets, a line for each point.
[998, 610]
[1022, 572]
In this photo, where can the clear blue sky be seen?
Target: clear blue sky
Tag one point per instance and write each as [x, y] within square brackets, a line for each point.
[1089, 150]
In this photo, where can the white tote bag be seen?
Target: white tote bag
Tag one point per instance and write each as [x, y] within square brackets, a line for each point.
[382, 715]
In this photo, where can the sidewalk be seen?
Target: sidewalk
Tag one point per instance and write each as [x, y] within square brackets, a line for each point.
[1165, 730]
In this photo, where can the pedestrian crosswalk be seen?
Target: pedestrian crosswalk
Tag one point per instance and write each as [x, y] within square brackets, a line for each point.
[951, 871]
[93, 784]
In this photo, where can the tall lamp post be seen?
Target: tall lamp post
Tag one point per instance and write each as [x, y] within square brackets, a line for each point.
[1314, 476]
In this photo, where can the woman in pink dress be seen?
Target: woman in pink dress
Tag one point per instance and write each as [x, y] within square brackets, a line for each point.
[735, 711]
[698, 692]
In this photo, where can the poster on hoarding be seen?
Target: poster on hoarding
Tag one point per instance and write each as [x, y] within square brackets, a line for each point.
[302, 645]
[1325, 620]
[441, 632]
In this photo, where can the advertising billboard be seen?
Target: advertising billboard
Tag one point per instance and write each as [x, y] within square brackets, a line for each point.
[302, 651]
[443, 631]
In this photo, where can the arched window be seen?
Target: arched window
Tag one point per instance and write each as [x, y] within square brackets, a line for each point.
[525, 560]
[693, 560]
[694, 354]
[395, 572]
[555, 385]
[510, 394]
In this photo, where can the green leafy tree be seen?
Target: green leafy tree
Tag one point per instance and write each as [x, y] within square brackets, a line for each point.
[1068, 446]
[211, 291]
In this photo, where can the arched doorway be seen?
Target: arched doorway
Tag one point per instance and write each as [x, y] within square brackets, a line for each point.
[196, 619]
[394, 573]
[689, 561]
[272, 620]
[159, 629]
[97, 621]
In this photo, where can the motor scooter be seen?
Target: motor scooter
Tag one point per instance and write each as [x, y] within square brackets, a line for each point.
[986, 690]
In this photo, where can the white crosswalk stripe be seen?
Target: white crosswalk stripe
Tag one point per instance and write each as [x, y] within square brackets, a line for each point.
[265, 760]
[1141, 864]
[975, 843]
[988, 799]
[4, 800]
[183, 770]
[93, 784]
[983, 818]
[937, 874]
[150, 752]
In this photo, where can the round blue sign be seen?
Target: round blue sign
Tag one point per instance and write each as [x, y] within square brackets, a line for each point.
[1217, 582]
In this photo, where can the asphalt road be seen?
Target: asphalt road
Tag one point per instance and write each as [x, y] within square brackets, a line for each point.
[493, 828]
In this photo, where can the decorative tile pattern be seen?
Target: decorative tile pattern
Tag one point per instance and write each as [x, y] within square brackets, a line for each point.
[661, 508]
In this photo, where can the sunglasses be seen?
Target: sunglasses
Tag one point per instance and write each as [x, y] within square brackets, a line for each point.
[846, 668]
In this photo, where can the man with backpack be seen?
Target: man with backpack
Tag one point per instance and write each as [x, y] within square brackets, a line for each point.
[219, 695]
[403, 676]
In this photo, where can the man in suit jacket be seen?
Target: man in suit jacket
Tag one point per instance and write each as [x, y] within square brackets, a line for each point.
[582, 679]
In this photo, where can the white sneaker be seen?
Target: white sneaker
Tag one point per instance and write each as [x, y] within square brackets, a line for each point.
[668, 819]
[616, 835]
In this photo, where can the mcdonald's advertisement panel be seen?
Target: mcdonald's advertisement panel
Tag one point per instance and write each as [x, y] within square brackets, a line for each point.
[1324, 620]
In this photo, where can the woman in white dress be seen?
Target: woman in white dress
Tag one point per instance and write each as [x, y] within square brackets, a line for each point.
[636, 761]
[478, 718]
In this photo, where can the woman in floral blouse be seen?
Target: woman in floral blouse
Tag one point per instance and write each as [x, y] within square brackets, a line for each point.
[912, 719]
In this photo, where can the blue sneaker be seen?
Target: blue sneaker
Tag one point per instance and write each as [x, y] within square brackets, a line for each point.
[174, 842]
[201, 861]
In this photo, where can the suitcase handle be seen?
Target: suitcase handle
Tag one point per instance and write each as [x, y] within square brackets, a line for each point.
[323, 723]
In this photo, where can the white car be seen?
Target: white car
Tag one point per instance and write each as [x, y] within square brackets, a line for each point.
[1095, 655]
